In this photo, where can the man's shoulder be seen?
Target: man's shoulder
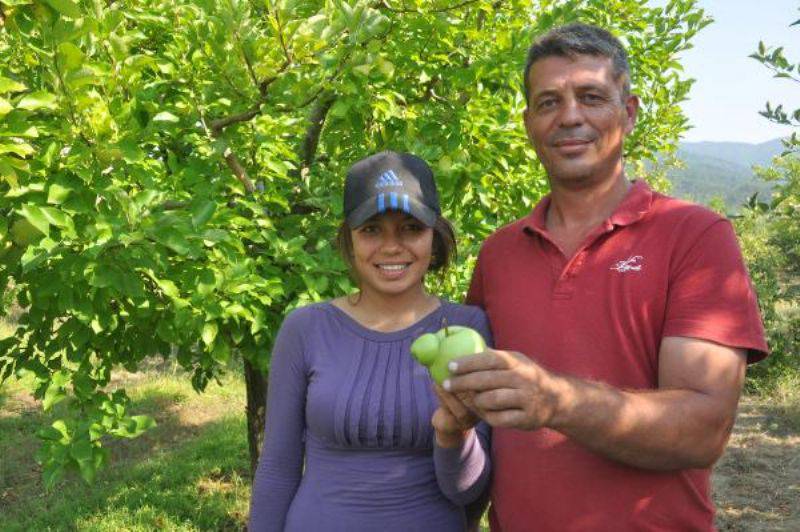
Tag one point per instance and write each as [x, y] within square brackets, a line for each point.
[676, 214]
[507, 233]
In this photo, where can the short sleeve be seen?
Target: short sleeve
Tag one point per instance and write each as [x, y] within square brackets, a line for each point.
[710, 294]
[480, 322]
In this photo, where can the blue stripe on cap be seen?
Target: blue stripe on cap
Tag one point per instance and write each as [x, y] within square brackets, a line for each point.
[406, 208]
[393, 199]
[381, 203]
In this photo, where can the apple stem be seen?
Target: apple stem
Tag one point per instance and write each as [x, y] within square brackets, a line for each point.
[444, 325]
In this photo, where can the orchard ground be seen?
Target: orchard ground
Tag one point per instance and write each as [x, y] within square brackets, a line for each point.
[190, 472]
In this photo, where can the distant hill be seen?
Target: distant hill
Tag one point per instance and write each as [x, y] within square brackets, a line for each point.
[722, 169]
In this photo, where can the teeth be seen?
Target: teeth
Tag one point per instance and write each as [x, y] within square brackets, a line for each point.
[392, 267]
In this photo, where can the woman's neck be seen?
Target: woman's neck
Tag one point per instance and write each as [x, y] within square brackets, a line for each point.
[388, 312]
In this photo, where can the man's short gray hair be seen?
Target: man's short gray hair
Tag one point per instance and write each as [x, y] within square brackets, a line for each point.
[580, 39]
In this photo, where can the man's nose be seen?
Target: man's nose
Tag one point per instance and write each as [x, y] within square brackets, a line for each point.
[571, 113]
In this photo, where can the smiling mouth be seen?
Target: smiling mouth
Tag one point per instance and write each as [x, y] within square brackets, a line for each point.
[393, 267]
[571, 142]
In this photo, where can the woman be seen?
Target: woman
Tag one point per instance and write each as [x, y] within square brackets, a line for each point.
[345, 395]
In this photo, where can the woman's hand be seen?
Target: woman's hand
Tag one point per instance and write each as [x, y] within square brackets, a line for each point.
[453, 419]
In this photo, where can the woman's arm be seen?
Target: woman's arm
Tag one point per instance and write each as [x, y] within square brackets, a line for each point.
[463, 471]
[462, 445]
[280, 465]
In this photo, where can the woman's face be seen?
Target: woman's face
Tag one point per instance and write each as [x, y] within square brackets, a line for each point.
[391, 253]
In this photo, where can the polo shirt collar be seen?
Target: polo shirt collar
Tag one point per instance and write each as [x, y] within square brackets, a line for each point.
[634, 206]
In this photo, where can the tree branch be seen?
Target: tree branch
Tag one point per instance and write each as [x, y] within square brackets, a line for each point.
[238, 170]
[280, 36]
[386, 5]
[219, 124]
[316, 121]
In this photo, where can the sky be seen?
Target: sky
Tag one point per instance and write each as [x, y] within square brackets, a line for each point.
[731, 88]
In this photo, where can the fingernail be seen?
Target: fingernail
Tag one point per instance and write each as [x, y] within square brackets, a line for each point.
[452, 365]
[446, 384]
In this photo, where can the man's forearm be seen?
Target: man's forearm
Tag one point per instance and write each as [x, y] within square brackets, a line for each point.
[658, 429]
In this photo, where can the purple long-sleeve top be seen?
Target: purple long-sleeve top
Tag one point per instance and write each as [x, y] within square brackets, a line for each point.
[349, 443]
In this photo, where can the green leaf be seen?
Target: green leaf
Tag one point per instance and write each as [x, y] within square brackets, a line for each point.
[143, 423]
[52, 473]
[104, 276]
[69, 55]
[169, 288]
[5, 107]
[57, 194]
[206, 282]
[68, 8]
[210, 330]
[38, 100]
[56, 217]
[22, 149]
[88, 470]
[202, 213]
[9, 85]
[166, 116]
[34, 215]
[50, 434]
[53, 395]
[81, 450]
[221, 352]
[8, 174]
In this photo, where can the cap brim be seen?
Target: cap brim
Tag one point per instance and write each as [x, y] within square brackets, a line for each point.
[369, 208]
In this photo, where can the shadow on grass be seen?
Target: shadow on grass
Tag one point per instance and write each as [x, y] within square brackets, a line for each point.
[181, 475]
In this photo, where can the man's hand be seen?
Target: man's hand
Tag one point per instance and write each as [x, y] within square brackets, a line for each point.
[453, 419]
[509, 389]
[682, 424]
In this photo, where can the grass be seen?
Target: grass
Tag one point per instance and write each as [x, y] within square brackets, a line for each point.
[191, 471]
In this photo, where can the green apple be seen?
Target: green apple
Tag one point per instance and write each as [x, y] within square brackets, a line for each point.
[426, 348]
[437, 350]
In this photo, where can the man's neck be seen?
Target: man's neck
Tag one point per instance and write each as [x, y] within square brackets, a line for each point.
[582, 209]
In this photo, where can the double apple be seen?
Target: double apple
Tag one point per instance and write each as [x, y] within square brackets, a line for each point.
[436, 350]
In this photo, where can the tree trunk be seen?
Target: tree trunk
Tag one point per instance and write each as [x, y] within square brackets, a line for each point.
[256, 383]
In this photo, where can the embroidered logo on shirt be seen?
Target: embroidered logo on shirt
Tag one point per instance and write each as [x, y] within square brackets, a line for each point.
[388, 179]
[631, 264]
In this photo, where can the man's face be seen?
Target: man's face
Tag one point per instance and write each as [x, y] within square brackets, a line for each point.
[577, 119]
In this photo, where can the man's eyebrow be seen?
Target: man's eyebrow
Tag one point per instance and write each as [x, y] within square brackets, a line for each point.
[592, 86]
[545, 92]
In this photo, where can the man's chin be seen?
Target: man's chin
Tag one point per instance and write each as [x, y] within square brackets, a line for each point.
[575, 177]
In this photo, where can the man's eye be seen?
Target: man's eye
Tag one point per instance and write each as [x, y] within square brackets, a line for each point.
[593, 98]
[546, 104]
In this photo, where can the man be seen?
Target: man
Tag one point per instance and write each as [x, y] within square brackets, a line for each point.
[623, 321]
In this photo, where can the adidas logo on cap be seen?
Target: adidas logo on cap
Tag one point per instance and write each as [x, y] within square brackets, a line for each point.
[388, 179]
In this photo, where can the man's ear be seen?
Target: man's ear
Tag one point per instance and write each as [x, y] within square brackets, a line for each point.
[631, 112]
[526, 120]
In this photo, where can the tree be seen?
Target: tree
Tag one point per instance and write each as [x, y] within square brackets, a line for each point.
[770, 235]
[171, 170]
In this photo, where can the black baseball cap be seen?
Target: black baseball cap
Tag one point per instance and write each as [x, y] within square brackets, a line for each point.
[390, 181]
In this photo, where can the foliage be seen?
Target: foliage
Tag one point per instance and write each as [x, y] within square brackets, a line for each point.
[770, 234]
[171, 170]
[775, 60]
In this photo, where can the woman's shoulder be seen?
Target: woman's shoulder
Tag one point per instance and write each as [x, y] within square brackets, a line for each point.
[459, 312]
[302, 316]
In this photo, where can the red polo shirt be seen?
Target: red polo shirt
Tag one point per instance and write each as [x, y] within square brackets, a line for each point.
[657, 267]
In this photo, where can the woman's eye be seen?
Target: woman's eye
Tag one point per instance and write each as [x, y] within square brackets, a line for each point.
[413, 228]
